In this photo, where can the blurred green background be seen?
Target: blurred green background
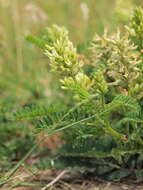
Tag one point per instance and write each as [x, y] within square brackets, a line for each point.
[24, 73]
[23, 69]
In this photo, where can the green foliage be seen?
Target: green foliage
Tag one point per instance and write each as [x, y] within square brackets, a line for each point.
[13, 138]
[105, 126]
[25, 83]
[31, 112]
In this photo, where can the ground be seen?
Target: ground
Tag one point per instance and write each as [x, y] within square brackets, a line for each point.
[61, 180]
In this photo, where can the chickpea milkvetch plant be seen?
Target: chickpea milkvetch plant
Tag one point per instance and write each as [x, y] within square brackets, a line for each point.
[102, 127]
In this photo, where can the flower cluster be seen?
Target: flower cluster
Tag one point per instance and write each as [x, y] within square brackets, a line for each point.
[80, 84]
[100, 84]
[65, 60]
[120, 61]
[60, 50]
[136, 28]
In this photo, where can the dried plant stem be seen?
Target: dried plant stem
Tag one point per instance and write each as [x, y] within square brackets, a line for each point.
[55, 180]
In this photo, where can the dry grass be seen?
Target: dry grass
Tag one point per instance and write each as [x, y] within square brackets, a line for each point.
[24, 180]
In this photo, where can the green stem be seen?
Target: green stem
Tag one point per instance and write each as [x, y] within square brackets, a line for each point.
[13, 170]
[112, 132]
